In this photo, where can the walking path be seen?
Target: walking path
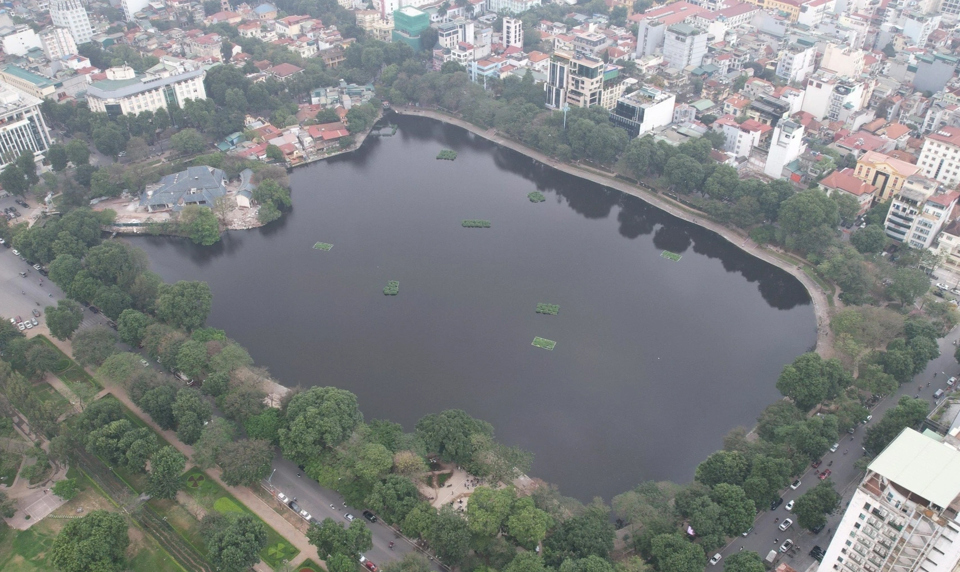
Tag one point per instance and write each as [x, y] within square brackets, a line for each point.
[734, 236]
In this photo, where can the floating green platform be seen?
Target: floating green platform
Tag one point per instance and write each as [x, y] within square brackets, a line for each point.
[671, 255]
[544, 343]
[392, 289]
[323, 246]
[447, 155]
[474, 223]
[536, 197]
[551, 309]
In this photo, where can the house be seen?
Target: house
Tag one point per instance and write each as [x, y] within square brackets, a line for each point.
[200, 186]
[884, 172]
[245, 192]
[265, 12]
[283, 72]
[846, 182]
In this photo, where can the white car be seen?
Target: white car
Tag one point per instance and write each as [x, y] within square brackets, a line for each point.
[716, 558]
[789, 506]
[15, 252]
[21, 326]
[951, 381]
[145, 363]
[835, 447]
[787, 545]
[942, 286]
[787, 523]
[34, 322]
[280, 496]
[795, 484]
[348, 516]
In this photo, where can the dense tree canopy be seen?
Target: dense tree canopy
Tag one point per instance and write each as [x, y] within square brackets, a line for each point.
[317, 418]
[95, 543]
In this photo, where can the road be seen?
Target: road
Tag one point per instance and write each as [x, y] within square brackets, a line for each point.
[316, 500]
[766, 535]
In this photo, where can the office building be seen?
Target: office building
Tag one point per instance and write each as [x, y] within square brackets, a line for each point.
[72, 15]
[919, 211]
[513, 32]
[124, 92]
[644, 110]
[684, 45]
[582, 81]
[903, 514]
[885, 173]
[786, 145]
[940, 156]
[58, 43]
[22, 127]
[797, 62]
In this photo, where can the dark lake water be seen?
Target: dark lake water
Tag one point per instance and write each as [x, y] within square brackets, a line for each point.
[655, 360]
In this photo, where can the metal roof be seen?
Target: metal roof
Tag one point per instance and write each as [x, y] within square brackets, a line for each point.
[921, 465]
[107, 89]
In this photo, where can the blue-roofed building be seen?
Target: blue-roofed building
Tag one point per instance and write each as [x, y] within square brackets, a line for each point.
[245, 192]
[200, 186]
[265, 11]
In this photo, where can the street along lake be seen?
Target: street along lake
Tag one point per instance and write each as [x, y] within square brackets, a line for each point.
[655, 359]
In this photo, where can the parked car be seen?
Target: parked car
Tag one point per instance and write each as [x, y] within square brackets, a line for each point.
[951, 381]
[868, 419]
[825, 474]
[817, 529]
[716, 558]
[37, 267]
[369, 516]
[748, 531]
[15, 252]
[368, 564]
[293, 504]
[280, 496]
[816, 463]
[306, 515]
[817, 553]
[333, 506]
[942, 286]
[36, 312]
[28, 325]
[787, 545]
[834, 448]
[34, 322]
[349, 517]
[776, 504]
[787, 523]
[145, 363]
[795, 484]
[42, 272]
[20, 326]
[789, 506]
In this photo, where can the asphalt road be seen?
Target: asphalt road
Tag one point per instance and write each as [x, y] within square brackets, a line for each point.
[766, 535]
[316, 500]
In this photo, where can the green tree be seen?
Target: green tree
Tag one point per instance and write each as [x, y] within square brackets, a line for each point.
[813, 506]
[13, 179]
[809, 220]
[132, 326]
[268, 213]
[673, 553]
[317, 418]
[190, 412]
[66, 489]
[166, 465]
[450, 434]
[908, 284]
[870, 239]
[909, 412]
[450, 536]
[263, 426]
[736, 510]
[746, 561]
[184, 304]
[579, 537]
[200, 224]
[847, 206]
[78, 152]
[811, 379]
[188, 142]
[275, 154]
[526, 562]
[723, 467]
[158, 404]
[235, 545]
[64, 319]
[93, 346]
[192, 359]
[245, 462]
[270, 191]
[527, 524]
[393, 498]
[57, 154]
[488, 510]
[95, 543]
[684, 173]
[215, 436]
[331, 538]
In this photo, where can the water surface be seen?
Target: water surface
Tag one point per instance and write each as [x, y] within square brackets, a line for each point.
[655, 360]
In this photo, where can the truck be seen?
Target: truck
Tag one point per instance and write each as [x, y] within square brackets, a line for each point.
[771, 557]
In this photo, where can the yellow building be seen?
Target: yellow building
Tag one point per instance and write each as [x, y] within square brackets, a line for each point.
[789, 7]
[884, 172]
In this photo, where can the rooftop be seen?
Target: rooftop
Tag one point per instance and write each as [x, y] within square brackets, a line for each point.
[845, 180]
[949, 135]
[921, 465]
[113, 88]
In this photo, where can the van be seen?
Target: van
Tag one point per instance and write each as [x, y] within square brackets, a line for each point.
[938, 394]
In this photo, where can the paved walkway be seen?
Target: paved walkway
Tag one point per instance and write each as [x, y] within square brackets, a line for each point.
[608, 179]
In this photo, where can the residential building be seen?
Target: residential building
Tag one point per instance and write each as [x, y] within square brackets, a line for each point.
[511, 6]
[940, 156]
[131, 7]
[884, 172]
[644, 110]
[789, 7]
[684, 45]
[408, 23]
[124, 92]
[22, 127]
[28, 82]
[842, 60]
[917, 26]
[845, 182]
[919, 211]
[796, 62]
[375, 25]
[786, 145]
[58, 43]
[512, 32]
[20, 40]
[200, 186]
[903, 514]
[582, 81]
[934, 70]
[741, 138]
[72, 15]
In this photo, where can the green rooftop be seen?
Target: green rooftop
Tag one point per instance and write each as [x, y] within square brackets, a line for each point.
[36, 79]
[114, 84]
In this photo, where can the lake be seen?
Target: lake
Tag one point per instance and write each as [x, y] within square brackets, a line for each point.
[655, 360]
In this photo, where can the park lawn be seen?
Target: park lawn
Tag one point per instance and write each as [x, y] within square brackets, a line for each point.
[186, 525]
[151, 557]
[200, 486]
[309, 565]
[47, 394]
[81, 383]
[26, 551]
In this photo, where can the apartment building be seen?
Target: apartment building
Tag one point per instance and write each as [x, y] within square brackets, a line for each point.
[582, 81]
[72, 15]
[684, 45]
[940, 156]
[919, 211]
[512, 32]
[786, 145]
[644, 110]
[58, 43]
[22, 127]
[903, 514]
[797, 62]
[124, 92]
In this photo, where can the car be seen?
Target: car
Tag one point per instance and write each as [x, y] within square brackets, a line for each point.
[834, 448]
[20, 326]
[36, 267]
[942, 286]
[34, 322]
[368, 564]
[816, 463]
[27, 324]
[938, 293]
[19, 319]
[951, 381]
[868, 419]
[850, 430]
[795, 484]
[789, 506]
[817, 529]
[36, 312]
[776, 504]
[306, 515]
[15, 252]
[42, 272]
[2, 241]
[94, 309]
[825, 474]
[349, 517]
[716, 558]
[333, 506]
[748, 531]
[293, 504]
[122, 154]
[817, 553]
[145, 363]
[369, 516]
[22, 203]
[787, 523]
[280, 496]
[787, 545]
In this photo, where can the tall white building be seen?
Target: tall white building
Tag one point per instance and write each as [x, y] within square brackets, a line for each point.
[123, 92]
[796, 62]
[22, 127]
[918, 212]
[20, 40]
[512, 6]
[644, 110]
[940, 156]
[131, 7]
[58, 43]
[684, 45]
[72, 15]
[786, 145]
[513, 32]
[903, 515]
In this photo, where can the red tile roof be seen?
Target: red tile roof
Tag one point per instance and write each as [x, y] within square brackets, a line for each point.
[846, 181]
[949, 135]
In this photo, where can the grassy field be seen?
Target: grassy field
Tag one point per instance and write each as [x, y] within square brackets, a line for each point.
[670, 255]
[309, 566]
[46, 394]
[544, 343]
[212, 496]
[81, 383]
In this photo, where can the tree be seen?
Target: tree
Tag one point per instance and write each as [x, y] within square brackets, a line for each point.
[262, 426]
[449, 433]
[371, 461]
[579, 537]
[268, 213]
[184, 304]
[809, 220]
[416, 562]
[813, 506]
[78, 152]
[275, 154]
[165, 468]
[64, 319]
[847, 206]
[317, 418]
[200, 224]
[57, 154]
[66, 489]
[235, 545]
[723, 467]
[215, 436]
[245, 462]
[13, 179]
[450, 536]
[192, 359]
[673, 553]
[811, 379]
[909, 412]
[327, 116]
[907, 284]
[527, 524]
[869, 240]
[684, 173]
[746, 561]
[393, 498]
[95, 543]
[736, 510]
[331, 538]
[190, 412]
[270, 191]
[158, 404]
[93, 346]
[488, 510]
[132, 326]
[188, 142]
